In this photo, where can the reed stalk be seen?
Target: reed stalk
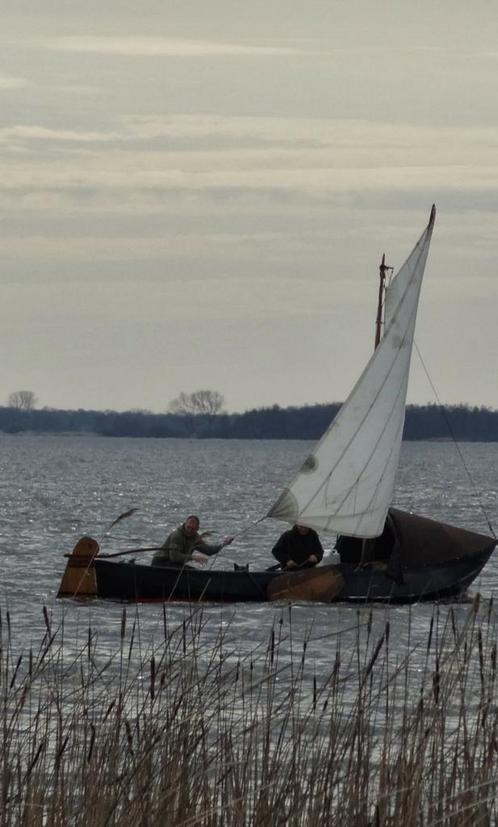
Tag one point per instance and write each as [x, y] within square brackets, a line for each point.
[178, 733]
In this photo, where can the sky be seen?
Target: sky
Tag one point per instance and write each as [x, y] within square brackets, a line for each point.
[197, 195]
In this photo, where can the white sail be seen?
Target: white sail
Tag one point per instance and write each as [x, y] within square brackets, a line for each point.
[346, 485]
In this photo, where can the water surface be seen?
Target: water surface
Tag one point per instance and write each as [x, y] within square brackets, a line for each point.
[56, 488]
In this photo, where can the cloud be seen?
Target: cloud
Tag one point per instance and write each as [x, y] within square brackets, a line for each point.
[79, 89]
[163, 187]
[222, 154]
[168, 47]
[7, 83]
[42, 134]
[339, 142]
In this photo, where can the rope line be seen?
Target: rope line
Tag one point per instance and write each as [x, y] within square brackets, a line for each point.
[456, 444]
[242, 531]
[248, 527]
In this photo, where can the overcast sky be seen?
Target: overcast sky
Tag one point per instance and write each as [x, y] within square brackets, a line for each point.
[197, 195]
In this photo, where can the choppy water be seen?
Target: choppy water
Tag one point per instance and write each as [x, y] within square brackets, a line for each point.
[54, 489]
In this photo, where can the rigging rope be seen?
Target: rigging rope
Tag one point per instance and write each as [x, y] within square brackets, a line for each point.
[455, 442]
[248, 527]
[242, 531]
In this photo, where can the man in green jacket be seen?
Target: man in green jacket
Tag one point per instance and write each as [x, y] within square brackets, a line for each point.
[180, 546]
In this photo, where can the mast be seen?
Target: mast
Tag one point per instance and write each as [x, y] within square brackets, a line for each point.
[383, 270]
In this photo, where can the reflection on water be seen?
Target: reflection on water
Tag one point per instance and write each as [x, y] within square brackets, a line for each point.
[54, 489]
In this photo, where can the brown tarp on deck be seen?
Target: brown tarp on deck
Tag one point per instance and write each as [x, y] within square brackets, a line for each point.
[421, 541]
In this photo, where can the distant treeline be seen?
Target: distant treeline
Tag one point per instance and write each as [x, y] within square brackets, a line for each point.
[422, 422]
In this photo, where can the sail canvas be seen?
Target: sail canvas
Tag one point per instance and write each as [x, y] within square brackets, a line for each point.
[346, 484]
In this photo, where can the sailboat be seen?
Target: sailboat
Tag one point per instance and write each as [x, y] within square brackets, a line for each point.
[345, 486]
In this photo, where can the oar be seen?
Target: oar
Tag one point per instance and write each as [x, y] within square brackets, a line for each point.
[159, 548]
[150, 548]
[145, 548]
[139, 550]
[130, 551]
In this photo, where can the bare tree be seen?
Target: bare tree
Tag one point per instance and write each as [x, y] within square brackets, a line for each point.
[22, 400]
[199, 402]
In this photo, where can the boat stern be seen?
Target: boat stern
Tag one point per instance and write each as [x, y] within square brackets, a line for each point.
[79, 578]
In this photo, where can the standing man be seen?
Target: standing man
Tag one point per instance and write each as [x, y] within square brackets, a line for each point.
[181, 545]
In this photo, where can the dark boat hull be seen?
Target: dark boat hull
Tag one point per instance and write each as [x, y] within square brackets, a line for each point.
[142, 583]
[128, 581]
[436, 582]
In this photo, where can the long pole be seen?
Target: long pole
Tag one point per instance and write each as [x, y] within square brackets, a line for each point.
[380, 304]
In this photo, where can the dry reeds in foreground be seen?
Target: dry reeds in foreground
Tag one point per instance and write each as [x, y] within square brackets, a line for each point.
[185, 736]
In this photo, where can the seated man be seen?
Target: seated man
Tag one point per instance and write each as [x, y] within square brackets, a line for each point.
[180, 546]
[300, 547]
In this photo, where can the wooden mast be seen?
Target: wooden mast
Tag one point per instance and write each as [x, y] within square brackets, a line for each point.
[379, 321]
[383, 270]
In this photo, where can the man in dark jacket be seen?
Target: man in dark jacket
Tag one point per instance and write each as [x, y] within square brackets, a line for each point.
[180, 546]
[298, 547]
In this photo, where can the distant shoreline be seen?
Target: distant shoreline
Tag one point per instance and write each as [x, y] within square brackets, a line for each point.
[90, 434]
[423, 422]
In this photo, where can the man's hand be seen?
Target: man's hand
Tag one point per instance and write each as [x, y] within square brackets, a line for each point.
[197, 557]
[226, 541]
[312, 559]
[290, 564]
